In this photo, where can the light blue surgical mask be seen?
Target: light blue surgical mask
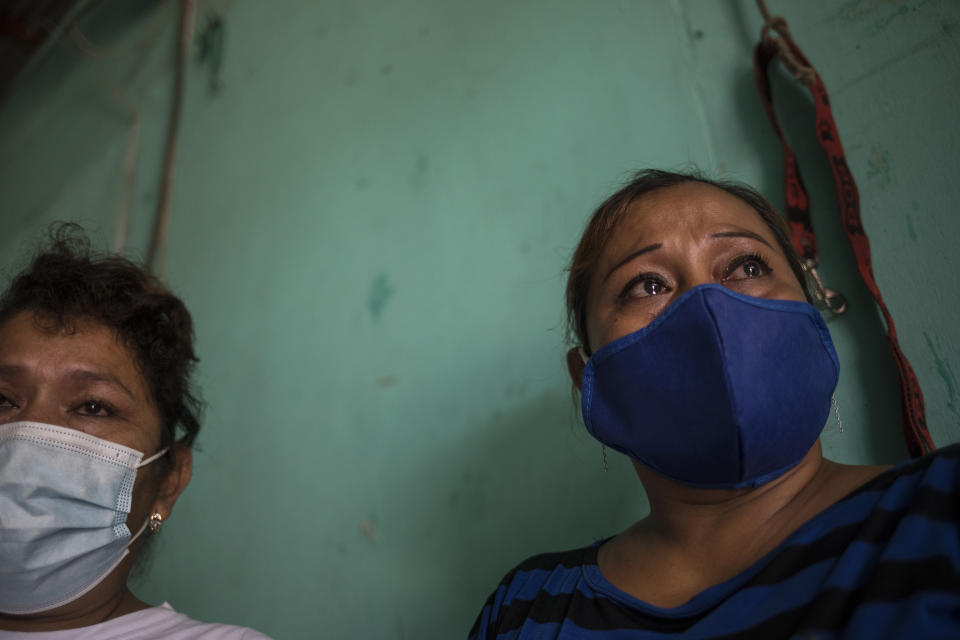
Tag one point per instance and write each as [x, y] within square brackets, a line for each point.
[64, 500]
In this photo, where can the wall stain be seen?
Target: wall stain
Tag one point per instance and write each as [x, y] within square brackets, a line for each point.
[910, 230]
[945, 371]
[418, 178]
[855, 9]
[878, 165]
[210, 45]
[859, 10]
[361, 183]
[380, 293]
[385, 382]
[368, 530]
[881, 25]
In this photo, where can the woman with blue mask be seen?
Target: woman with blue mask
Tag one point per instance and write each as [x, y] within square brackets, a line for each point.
[700, 357]
[97, 416]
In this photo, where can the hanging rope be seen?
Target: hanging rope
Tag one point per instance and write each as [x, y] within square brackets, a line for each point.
[98, 55]
[784, 48]
[161, 217]
[804, 73]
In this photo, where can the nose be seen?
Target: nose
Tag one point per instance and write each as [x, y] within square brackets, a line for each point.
[693, 276]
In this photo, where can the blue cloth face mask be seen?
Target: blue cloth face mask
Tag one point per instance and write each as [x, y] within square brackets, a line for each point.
[64, 500]
[721, 390]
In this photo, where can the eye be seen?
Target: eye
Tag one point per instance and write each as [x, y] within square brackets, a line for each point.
[94, 409]
[644, 286]
[746, 267]
[6, 403]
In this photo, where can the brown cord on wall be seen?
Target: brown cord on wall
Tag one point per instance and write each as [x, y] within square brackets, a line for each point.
[161, 217]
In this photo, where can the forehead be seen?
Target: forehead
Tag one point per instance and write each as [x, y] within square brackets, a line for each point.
[691, 207]
[29, 342]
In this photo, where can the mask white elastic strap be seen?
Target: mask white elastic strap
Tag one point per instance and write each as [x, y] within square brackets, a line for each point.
[583, 355]
[144, 463]
[142, 528]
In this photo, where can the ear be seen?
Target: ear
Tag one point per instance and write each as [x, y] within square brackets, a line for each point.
[175, 481]
[575, 366]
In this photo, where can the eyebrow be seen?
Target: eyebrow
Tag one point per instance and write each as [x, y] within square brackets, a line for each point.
[639, 252]
[654, 247]
[742, 234]
[87, 375]
[82, 375]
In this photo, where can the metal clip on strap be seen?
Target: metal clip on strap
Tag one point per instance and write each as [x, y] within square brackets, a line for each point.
[832, 299]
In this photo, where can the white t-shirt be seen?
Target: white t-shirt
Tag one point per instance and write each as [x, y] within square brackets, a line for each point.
[155, 623]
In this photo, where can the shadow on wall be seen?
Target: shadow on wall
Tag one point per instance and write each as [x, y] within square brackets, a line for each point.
[529, 480]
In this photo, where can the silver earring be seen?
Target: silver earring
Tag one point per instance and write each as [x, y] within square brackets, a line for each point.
[603, 452]
[836, 411]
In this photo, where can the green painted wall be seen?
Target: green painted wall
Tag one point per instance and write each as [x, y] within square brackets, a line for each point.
[371, 221]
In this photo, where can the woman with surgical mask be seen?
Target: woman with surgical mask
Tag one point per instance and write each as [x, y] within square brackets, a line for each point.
[699, 356]
[97, 416]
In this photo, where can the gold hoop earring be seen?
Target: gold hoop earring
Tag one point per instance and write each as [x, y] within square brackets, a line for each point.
[156, 520]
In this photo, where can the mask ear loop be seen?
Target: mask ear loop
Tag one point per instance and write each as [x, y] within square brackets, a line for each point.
[603, 447]
[155, 456]
[156, 519]
[142, 528]
[836, 411]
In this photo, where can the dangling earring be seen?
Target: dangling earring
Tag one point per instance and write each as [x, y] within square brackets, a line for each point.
[836, 411]
[156, 520]
[603, 452]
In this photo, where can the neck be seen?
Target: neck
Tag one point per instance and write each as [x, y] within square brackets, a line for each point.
[81, 613]
[697, 538]
[689, 516]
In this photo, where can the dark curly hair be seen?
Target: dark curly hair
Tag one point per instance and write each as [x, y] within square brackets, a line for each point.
[67, 281]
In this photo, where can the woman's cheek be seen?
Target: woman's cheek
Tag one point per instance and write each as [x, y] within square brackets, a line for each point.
[633, 316]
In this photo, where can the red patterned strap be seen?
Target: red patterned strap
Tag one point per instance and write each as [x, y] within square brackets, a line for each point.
[798, 209]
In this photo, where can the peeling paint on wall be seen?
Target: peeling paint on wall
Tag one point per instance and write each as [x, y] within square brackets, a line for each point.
[945, 371]
[911, 232]
[878, 167]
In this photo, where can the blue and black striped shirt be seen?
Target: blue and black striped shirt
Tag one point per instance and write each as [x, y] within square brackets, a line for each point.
[884, 562]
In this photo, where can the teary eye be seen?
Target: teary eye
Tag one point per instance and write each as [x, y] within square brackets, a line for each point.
[746, 267]
[653, 287]
[94, 408]
[644, 286]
